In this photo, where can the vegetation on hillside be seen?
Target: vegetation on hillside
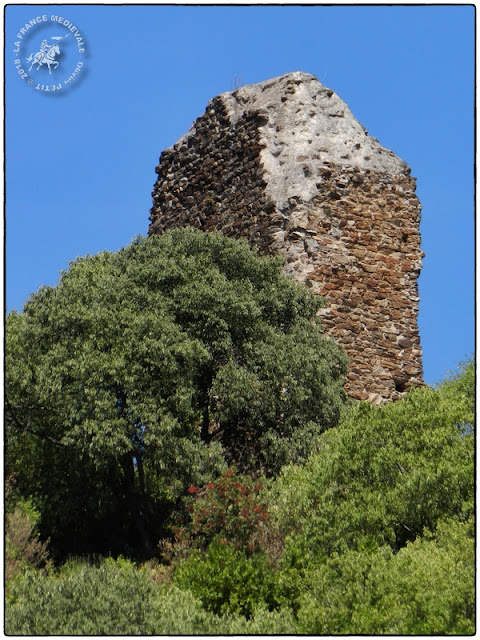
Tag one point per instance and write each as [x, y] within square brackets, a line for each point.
[154, 368]
[176, 402]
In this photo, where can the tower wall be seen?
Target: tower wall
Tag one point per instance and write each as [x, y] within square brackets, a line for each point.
[285, 164]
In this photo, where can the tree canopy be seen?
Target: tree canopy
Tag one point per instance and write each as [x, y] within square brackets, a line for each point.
[385, 474]
[379, 525]
[152, 368]
[173, 402]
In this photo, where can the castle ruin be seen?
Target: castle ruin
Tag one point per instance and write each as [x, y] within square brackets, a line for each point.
[285, 164]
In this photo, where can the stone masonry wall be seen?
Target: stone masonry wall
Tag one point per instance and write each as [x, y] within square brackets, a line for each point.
[285, 164]
[214, 179]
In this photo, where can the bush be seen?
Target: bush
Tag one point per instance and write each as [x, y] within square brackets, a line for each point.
[23, 547]
[263, 622]
[229, 508]
[383, 476]
[113, 597]
[377, 525]
[427, 588]
[227, 581]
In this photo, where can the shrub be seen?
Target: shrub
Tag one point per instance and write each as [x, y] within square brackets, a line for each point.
[23, 547]
[262, 622]
[227, 581]
[427, 588]
[383, 476]
[230, 508]
[114, 598]
[378, 524]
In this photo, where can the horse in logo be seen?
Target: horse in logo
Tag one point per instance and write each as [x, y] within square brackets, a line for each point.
[46, 55]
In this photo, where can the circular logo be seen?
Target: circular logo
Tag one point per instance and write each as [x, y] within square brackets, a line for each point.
[49, 54]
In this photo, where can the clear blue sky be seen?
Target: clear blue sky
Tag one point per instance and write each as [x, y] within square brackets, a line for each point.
[80, 166]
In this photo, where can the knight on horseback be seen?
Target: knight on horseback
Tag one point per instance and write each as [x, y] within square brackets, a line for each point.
[46, 55]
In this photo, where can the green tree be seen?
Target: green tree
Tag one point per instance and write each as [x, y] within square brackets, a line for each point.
[378, 525]
[384, 475]
[148, 369]
[427, 588]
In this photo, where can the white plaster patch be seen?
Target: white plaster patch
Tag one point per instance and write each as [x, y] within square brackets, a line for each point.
[307, 124]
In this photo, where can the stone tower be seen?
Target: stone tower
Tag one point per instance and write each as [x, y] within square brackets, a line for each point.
[285, 164]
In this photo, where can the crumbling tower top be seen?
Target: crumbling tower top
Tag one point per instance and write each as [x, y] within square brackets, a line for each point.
[286, 164]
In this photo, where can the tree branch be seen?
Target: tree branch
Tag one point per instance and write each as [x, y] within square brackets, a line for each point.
[27, 428]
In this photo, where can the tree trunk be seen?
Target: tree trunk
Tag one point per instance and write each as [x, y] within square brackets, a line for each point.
[204, 434]
[141, 474]
[133, 499]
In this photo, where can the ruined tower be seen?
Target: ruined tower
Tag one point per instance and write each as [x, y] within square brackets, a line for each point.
[285, 164]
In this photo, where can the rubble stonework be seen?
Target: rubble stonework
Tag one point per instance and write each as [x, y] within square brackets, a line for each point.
[285, 164]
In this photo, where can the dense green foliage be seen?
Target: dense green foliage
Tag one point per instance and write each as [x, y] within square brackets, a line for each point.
[116, 598]
[383, 476]
[228, 580]
[178, 397]
[385, 509]
[373, 535]
[427, 588]
[320, 549]
[153, 368]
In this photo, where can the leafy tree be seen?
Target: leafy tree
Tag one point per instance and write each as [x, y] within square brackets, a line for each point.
[149, 369]
[384, 476]
[427, 588]
[378, 526]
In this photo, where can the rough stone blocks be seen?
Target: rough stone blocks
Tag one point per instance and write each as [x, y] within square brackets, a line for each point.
[285, 164]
